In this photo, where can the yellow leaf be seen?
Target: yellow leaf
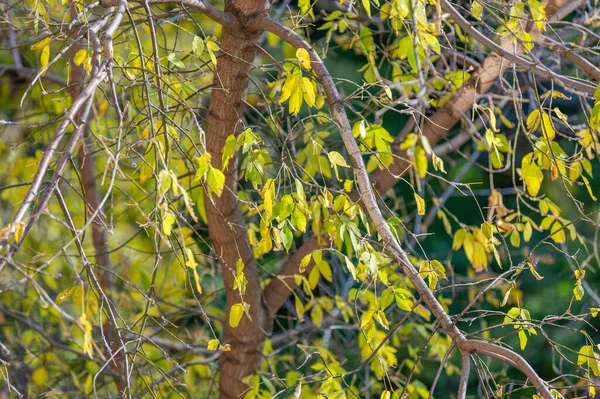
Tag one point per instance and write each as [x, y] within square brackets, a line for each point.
[303, 57]
[45, 57]
[477, 9]
[367, 5]
[41, 44]
[213, 344]
[235, 314]
[532, 175]
[587, 185]
[87, 335]
[167, 223]
[80, 57]
[337, 159]
[215, 180]
[39, 377]
[420, 204]
[421, 161]
[547, 127]
[309, 92]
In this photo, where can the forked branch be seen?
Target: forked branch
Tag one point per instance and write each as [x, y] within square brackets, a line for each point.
[368, 198]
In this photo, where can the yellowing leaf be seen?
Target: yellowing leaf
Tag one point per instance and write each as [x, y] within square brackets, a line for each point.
[87, 335]
[235, 314]
[587, 185]
[420, 204]
[476, 9]
[213, 344]
[367, 5]
[39, 377]
[80, 56]
[522, 339]
[45, 57]
[215, 180]
[303, 57]
[532, 175]
[41, 44]
[547, 127]
[167, 223]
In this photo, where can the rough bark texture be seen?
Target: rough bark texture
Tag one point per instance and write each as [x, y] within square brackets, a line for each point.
[227, 228]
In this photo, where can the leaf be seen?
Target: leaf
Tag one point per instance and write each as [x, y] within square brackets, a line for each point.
[80, 56]
[304, 58]
[367, 5]
[337, 159]
[298, 220]
[299, 308]
[213, 344]
[45, 57]
[522, 339]
[420, 158]
[351, 268]
[41, 44]
[215, 180]
[589, 188]
[167, 223]
[548, 130]
[477, 9]
[420, 204]
[228, 150]
[39, 377]
[173, 59]
[235, 314]
[531, 174]
[308, 90]
[533, 120]
[198, 46]
[287, 237]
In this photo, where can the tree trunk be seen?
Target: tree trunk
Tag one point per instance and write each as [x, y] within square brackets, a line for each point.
[226, 225]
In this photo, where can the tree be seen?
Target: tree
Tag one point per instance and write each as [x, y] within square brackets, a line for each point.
[244, 197]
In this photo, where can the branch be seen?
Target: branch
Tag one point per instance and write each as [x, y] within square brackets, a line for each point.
[434, 129]
[200, 6]
[369, 201]
[464, 375]
[502, 51]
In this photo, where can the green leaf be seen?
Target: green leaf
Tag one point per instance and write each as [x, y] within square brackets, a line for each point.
[173, 59]
[215, 180]
[198, 46]
[228, 150]
[287, 237]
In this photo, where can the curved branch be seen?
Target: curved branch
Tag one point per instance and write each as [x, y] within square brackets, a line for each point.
[435, 128]
[367, 196]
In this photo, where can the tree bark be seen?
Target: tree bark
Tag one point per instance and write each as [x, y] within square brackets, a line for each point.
[226, 225]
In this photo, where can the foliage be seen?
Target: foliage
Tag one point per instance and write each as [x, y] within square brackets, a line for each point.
[134, 180]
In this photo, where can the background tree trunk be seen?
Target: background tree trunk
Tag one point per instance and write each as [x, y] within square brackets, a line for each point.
[226, 223]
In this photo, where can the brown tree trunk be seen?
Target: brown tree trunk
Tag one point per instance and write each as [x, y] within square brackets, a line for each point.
[226, 225]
